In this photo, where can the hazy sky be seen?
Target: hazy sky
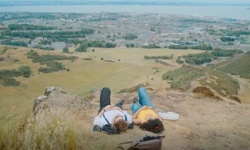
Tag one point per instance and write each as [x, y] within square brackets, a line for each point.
[198, 1]
[207, 1]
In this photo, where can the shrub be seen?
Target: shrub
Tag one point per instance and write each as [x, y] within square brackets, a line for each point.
[130, 37]
[52, 66]
[25, 71]
[157, 57]
[10, 82]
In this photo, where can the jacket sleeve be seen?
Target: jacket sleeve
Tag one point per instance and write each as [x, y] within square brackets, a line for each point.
[98, 121]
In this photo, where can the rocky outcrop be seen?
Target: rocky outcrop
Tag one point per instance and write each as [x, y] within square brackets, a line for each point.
[56, 98]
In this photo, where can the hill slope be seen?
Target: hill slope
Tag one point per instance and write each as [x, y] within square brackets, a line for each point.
[239, 65]
[203, 124]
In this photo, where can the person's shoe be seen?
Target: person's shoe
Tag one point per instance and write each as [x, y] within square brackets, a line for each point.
[135, 100]
[97, 128]
[121, 102]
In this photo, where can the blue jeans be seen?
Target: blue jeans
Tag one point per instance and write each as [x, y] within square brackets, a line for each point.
[144, 100]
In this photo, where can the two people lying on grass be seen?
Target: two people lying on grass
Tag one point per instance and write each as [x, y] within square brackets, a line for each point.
[144, 114]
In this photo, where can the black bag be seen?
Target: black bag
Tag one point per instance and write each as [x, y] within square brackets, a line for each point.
[109, 129]
[144, 143]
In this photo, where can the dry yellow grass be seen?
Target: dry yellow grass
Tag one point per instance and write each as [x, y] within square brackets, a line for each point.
[84, 75]
[128, 69]
[50, 130]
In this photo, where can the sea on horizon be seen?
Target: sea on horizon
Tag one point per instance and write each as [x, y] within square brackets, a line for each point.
[233, 12]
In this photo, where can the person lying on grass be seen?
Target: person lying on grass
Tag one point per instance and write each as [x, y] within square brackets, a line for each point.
[144, 114]
[111, 114]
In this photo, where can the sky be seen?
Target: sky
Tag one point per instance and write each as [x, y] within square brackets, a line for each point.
[196, 1]
[208, 1]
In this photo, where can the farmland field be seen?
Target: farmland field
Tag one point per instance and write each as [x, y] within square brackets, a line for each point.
[115, 68]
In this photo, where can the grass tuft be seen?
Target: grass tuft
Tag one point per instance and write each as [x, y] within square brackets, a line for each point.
[235, 98]
[206, 92]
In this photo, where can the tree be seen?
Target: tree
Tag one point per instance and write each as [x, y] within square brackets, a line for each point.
[82, 48]
[110, 45]
[65, 50]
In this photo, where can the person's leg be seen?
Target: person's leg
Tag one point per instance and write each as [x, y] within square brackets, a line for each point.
[144, 98]
[104, 98]
[134, 107]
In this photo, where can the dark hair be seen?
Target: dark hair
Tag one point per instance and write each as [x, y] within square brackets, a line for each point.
[153, 125]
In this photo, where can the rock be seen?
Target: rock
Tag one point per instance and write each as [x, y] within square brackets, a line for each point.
[56, 98]
[39, 103]
[48, 90]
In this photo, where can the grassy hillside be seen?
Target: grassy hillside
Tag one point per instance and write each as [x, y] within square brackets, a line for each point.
[126, 69]
[119, 69]
[239, 65]
[218, 81]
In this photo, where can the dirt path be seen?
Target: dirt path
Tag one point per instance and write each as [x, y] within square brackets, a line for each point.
[244, 92]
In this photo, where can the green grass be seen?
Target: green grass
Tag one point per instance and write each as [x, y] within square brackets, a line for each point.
[182, 77]
[239, 65]
[219, 81]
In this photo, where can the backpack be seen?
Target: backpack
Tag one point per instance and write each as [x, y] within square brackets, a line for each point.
[144, 143]
[107, 128]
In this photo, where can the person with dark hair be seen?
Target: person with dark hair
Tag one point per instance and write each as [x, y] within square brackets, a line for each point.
[144, 113]
[111, 114]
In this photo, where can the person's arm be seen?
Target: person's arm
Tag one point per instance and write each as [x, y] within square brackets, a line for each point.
[136, 121]
[101, 113]
[116, 108]
[107, 108]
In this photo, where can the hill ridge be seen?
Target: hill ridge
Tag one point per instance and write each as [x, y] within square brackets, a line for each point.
[204, 123]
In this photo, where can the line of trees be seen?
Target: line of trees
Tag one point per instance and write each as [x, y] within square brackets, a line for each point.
[45, 58]
[85, 44]
[159, 57]
[52, 35]
[207, 56]
[130, 37]
[12, 27]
